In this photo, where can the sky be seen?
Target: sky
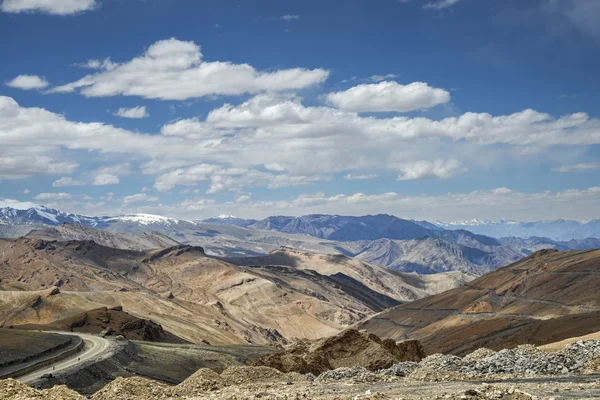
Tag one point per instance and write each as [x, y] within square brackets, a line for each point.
[426, 109]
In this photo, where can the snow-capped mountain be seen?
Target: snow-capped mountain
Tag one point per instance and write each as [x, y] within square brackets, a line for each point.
[230, 220]
[560, 229]
[25, 213]
[385, 240]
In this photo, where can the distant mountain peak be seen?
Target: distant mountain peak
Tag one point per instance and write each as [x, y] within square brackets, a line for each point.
[226, 216]
[145, 219]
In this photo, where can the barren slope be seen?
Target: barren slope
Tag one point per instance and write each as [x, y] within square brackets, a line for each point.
[400, 286]
[543, 298]
[192, 295]
[67, 232]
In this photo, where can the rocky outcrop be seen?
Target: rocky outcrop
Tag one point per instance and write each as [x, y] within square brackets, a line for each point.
[350, 348]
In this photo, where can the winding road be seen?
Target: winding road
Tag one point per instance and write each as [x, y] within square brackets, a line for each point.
[95, 347]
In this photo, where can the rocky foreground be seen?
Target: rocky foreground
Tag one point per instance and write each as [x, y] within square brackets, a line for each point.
[520, 374]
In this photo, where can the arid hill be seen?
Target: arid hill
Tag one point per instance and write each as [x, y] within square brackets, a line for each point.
[67, 232]
[400, 286]
[546, 297]
[110, 322]
[194, 296]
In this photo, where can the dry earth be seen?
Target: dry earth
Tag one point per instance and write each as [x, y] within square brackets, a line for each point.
[194, 296]
[544, 298]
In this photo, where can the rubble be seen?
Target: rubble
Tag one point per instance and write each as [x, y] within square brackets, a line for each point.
[134, 388]
[236, 375]
[203, 380]
[530, 360]
[11, 389]
[344, 373]
[456, 375]
[488, 392]
[444, 362]
[400, 369]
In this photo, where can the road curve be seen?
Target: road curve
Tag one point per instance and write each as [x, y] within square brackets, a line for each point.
[95, 347]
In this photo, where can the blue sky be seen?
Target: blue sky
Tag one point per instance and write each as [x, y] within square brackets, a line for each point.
[450, 110]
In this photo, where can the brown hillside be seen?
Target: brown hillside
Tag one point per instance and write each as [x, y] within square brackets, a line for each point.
[110, 322]
[546, 297]
[190, 294]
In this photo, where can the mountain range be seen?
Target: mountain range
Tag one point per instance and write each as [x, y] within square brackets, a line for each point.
[384, 240]
[544, 298]
[195, 296]
[560, 229]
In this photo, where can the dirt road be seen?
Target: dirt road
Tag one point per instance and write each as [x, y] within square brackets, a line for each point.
[95, 347]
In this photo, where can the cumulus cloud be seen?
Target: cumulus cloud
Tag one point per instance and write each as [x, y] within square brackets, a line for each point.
[223, 180]
[67, 181]
[20, 165]
[135, 112]
[174, 70]
[576, 167]
[440, 5]
[28, 82]
[273, 140]
[106, 179]
[53, 196]
[353, 177]
[139, 197]
[430, 170]
[388, 96]
[56, 7]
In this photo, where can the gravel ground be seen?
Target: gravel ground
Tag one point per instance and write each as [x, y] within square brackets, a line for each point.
[523, 373]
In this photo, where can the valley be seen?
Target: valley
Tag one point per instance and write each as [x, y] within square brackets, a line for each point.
[224, 294]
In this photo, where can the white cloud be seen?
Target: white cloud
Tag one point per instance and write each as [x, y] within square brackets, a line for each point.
[441, 4]
[174, 70]
[19, 165]
[26, 191]
[67, 181]
[139, 197]
[352, 177]
[576, 167]
[388, 96]
[290, 17]
[56, 7]
[135, 112]
[243, 198]
[379, 78]
[275, 141]
[106, 179]
[223, 180]
[437, 169]
[53, 196]
[28, 82]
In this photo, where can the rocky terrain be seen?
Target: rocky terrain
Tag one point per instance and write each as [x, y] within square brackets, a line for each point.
[400, 286]
[543, 298]
[347, 349]
[524, 373]
[194, 296]
[67, 232]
